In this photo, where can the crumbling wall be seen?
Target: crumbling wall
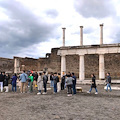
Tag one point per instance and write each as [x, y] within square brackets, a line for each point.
[29, 64]
[6, 65]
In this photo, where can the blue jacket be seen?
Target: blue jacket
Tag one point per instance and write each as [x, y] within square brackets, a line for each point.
[23, 77]
[14, 79]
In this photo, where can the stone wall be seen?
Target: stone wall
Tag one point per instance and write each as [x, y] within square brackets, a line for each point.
[6, 65]
[72, 64]
[29, 64]
[112, 65]
[91, 65]
[52, 62]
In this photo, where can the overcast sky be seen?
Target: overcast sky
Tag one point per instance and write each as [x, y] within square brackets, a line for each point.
[30, 28]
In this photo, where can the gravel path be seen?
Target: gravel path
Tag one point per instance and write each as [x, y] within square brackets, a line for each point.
[82, 106]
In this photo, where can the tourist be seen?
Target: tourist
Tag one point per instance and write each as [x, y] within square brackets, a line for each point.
[108, 81]
[6, 80]
[45, 79]
[59, 83]
[74, 83]
[23, 79]
[3, 78]
[35, 75]
[28, 74]
[30, 78]
[63, 82]
[93, 84]
[69, 83]
[51, 79]
[14, 81]
[18, 81]
[1, 81]
[56, 80]
[39, 83]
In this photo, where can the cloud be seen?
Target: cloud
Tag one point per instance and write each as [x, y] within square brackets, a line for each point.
[22, 28]
[94, 8]
[52, 13]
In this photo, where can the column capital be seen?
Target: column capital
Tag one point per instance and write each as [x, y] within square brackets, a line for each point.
[81, 26]
[101, 24]
[63, 28]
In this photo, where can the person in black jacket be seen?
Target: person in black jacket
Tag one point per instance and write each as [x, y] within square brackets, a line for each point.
[63, 81]
[1, 81]
[51, 79]
[4, 75]
[93, 85]
[7, 78]
[108, 81]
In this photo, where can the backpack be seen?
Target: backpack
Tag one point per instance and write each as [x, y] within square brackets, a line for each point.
[46, 77]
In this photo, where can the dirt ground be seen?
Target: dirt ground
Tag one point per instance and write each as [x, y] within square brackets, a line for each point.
[82, 106]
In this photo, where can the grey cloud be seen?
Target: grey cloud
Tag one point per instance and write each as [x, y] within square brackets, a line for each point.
[23, 28]
[52, 13]
[116, 37]
[94, 8]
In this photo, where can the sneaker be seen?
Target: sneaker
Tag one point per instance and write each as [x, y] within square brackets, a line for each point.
[44, 93]
[69, 95]
[88, 92]
[38, 93]
[96, 93]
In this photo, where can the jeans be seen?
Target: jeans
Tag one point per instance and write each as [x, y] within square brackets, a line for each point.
[14, 86]
[1, 83]
[74, 89]
[69, 89]
[108, 85]
[45, 85]
[91, 89]
[55, 88]
[52, 83]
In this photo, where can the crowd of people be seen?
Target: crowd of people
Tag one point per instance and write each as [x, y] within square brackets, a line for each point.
[39, 81]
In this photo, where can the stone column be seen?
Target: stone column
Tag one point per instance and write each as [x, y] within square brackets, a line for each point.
[63, 64]
[101, 67]
[101, 34]
[63, 36]
[81, 68]
[16, 65]
[23, 67]
[81, 35]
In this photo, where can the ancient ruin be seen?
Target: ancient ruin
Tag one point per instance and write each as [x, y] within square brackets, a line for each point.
[83, 60]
